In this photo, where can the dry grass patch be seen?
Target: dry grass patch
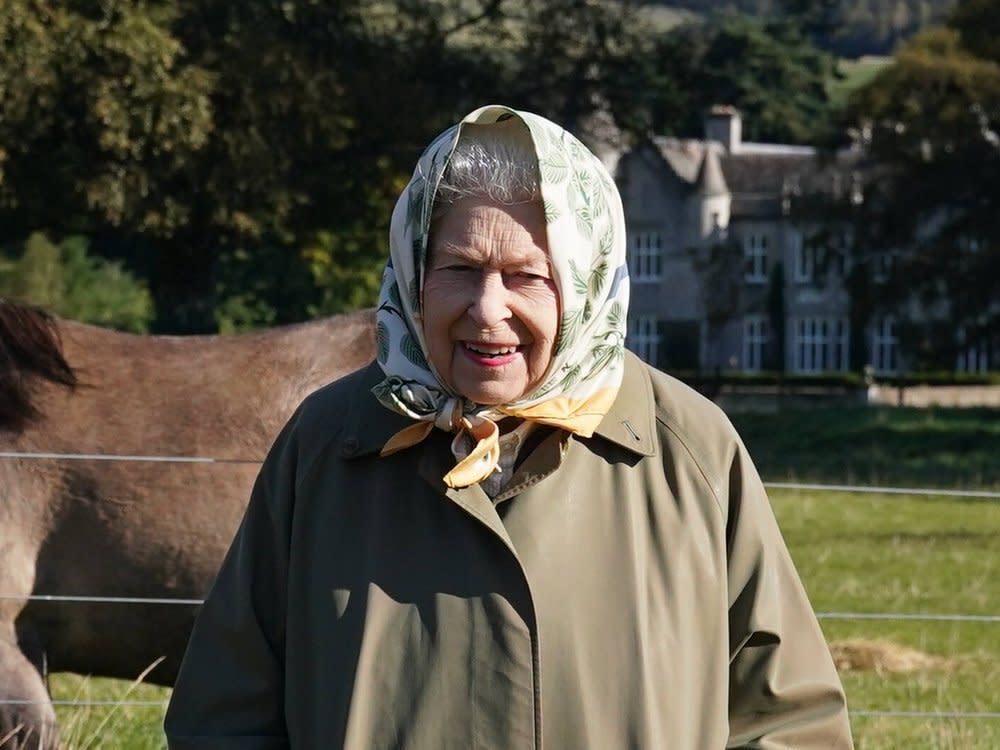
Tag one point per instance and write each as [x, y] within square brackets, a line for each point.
[884, 657]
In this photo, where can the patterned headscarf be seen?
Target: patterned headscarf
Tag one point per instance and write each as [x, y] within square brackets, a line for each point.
[585, 229]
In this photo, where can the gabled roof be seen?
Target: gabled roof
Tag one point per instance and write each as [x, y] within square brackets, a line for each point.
[711, 181]
[759, 176]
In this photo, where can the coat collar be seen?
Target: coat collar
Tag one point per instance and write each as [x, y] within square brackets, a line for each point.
[630, 423]
[631, 420]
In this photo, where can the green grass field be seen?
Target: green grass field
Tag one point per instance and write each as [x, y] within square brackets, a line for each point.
[853, 75]
[909, 447]
[856, 553]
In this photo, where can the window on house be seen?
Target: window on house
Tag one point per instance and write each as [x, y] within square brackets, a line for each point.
[820, 345]
[646, 257]
[754, 342]
[883, 263]
[885, 346]
[973, 359]
[968, 250]
[973, 355]
[804, 259]
[810, 342]
[643, 338]
[837, 254]
[755, 254]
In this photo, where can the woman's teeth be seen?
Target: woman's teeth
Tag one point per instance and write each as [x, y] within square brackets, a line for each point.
[491, 351]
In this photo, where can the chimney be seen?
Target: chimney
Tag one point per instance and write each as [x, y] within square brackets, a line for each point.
[724, 125]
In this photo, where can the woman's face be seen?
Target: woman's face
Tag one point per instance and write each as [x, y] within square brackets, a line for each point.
[490, 306]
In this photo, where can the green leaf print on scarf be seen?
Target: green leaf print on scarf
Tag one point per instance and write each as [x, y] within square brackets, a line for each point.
[597, 276]
[553, 167]
[567, 329]
[607, 242]
[551, 213]
[578, 197]
[417, 248]
[616, 317]
[579, 280]
[394, 297]
[570, 378]
[414, 293]
[382, 342]
[604, 355]
[411, 350]
[415, 203]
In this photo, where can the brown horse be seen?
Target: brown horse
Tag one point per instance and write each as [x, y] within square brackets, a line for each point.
[130, 528]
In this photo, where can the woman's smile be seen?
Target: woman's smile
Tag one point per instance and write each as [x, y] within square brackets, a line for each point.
[491, 355]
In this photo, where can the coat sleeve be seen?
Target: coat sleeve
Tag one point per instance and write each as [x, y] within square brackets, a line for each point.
[230, 690]
[784, 690]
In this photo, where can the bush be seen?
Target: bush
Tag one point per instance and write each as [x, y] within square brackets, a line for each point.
[67, 281]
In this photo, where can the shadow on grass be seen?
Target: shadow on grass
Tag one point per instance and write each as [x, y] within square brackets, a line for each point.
[945, 448]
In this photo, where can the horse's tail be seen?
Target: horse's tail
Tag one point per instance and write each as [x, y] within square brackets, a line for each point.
[29, 348]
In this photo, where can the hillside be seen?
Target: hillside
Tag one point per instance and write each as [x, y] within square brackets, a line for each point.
[860, 27]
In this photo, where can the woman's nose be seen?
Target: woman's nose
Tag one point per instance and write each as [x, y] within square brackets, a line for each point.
[490, 304]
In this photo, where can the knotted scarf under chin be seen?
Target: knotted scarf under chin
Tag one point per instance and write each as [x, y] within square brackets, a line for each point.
[577, 417]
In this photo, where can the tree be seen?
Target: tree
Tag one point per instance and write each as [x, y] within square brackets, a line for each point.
[931, 122]
[768, 70]
[104, 119]
[65, 279]
[246, 156]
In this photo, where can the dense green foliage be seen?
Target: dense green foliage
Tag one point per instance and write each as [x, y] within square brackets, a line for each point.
[930, 124]
[851, 28]
[68, 281]
[768, 69]
[244, 158]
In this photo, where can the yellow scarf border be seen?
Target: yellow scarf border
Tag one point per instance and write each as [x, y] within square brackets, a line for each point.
[580, 417]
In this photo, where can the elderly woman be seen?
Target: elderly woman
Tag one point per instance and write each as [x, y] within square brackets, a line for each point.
[507, 532]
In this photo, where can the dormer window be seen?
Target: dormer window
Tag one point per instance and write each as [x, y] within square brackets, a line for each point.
[805, 259]
[755, 255]
[646, 256]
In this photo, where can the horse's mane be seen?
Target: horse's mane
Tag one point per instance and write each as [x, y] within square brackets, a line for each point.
[29, 348]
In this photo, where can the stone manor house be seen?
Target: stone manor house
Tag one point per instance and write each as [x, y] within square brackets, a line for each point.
[716, 252]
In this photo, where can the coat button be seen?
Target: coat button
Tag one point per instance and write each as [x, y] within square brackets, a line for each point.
[349, 447]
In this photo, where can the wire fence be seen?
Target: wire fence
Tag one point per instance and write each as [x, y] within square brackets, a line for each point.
[901, 616]
[803, 486]
[162, 704]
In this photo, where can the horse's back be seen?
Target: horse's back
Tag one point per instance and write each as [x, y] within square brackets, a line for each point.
[137, 526]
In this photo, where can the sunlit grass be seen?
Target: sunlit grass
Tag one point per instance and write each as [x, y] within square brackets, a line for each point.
[109, 727]
[905, 554]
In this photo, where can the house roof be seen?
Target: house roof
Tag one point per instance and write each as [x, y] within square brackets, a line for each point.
[711, 181]
[759, 176]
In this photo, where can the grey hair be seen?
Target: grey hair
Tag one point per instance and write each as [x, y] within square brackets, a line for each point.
[495, 161]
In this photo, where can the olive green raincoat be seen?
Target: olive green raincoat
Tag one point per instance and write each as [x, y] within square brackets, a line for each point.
[628, 590]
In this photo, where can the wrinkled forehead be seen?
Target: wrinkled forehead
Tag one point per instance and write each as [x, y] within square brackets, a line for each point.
[482, 231]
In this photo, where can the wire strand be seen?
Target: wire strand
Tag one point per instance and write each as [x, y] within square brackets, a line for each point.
[987, 494]
[125, 457]
[99, 599]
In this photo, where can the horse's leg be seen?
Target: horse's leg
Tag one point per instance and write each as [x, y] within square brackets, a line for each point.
[27, 719]
[30, 722]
